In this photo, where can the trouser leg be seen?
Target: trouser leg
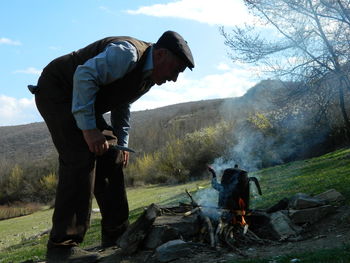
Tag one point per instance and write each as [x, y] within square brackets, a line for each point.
[111, 196]
[71, 216]
[76, 174]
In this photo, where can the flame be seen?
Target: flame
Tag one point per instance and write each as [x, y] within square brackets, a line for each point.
[242, 207]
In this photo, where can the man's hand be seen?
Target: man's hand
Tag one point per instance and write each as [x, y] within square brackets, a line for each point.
[96, 141]
[125, 158]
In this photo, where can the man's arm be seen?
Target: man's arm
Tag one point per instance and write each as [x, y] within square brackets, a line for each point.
[108, 66]
[120, 120]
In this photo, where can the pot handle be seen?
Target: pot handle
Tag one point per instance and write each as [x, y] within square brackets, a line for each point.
[255, 180]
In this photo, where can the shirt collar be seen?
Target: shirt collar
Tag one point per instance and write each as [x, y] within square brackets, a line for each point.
[148, 67]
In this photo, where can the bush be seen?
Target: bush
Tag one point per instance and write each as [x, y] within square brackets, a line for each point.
[28, 183]
[12, 186]
[182, 159]
[48, 186]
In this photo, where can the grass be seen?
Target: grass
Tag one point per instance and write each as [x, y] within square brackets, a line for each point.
[13, 231]
[311, 176]
[337, 255]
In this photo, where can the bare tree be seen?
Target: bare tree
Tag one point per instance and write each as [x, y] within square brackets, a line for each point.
[298, 40]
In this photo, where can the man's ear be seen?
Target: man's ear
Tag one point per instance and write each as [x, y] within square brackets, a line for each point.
[160, 54]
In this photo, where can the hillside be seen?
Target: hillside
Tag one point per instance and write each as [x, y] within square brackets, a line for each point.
[25, 142]
[32, 141]
[291, 117]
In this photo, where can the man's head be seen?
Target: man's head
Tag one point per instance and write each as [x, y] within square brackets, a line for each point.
[171, 56]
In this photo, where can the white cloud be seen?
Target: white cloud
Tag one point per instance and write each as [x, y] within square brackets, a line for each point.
[107, 10]
[8, 41]
[234, 82]
[30, 70]
[219, 12]
[223, 66]
[17, 111]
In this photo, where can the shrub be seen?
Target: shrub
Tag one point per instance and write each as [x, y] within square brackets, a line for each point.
[48, 186]
[12, 186]
[182, 159]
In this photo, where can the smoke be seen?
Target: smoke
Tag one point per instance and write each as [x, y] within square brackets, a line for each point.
[277, 133]
[207, 197]
[270, 132]
[208, 200]
[281, 132]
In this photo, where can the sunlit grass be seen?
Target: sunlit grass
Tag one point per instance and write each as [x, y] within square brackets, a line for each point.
[311, 176]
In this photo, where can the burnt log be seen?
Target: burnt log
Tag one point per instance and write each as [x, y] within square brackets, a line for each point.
[136, 232]
[281, 205]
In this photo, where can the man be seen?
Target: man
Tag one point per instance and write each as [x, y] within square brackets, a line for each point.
[73, 92]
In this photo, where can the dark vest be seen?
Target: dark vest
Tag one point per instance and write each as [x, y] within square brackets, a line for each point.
[124, 90]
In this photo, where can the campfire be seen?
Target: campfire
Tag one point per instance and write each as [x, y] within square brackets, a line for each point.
[231, 225]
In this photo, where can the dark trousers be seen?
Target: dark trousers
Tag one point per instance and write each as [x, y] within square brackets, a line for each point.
[81, 174]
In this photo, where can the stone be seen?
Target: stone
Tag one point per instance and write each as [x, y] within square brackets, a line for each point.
[310, 215]
[172, 250]
[283, 226]
[332, 196]
[302, 201]
[176, 249]
[187, 226]
[159, 235]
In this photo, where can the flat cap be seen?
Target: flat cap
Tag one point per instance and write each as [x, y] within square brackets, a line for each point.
[176, 44]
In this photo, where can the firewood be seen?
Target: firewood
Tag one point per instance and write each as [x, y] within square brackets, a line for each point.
[137, 231]
[210, 230]
[192, 212]
[194, 203]
[218, 231]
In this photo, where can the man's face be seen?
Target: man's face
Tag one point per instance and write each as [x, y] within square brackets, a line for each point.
[167, 66]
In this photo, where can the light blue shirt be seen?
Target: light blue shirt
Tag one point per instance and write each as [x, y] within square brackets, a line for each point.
[113, 63]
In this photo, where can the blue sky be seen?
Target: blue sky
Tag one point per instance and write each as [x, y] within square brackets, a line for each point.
[33, 32]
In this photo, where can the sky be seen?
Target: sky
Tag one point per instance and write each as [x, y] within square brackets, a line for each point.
[34, 32]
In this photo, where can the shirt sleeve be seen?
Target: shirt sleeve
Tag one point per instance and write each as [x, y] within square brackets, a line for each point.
[120, 120]
[113, 63]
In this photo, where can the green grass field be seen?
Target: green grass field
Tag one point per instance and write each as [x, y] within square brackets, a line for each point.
[311, 176]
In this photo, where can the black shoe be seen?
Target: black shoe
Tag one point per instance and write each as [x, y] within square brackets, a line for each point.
[109, 238]
[107, 242]
[70, 255]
